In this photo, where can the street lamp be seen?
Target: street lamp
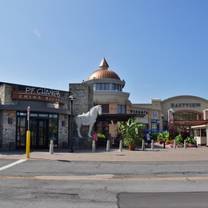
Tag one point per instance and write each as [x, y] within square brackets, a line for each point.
[70, 124]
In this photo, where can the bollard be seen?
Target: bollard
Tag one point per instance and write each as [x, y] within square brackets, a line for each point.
[93, 146]
[108, 146]
[28, 144]
[120, 145]
[51, 147]
[152, 144]
[143, 145]
[184, 144]
[174, 144]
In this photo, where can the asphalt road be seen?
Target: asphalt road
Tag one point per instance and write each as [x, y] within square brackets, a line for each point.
[163, 200]
[43, 183]
[65, 167]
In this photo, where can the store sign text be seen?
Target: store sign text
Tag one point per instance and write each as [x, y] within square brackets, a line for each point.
[41, 91]
[185, 105]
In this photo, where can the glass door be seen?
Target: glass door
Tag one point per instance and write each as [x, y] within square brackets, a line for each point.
[42, 133]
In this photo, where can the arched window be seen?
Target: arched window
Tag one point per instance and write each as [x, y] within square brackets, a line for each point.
[187, 116]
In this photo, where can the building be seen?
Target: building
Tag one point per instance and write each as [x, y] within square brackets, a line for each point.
[49, 115]
[51, 112]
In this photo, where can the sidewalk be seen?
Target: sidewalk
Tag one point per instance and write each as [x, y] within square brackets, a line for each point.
[180, 154]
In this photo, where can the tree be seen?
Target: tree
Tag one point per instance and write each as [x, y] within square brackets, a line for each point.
[163, 137]
[131, 132]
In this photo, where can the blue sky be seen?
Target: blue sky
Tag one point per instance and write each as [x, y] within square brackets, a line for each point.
[159, 47]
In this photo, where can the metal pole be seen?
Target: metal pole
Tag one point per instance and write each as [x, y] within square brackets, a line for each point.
[143, 145]
[51, 147]
[184, 144]
[174, 143]
[93, 146]
[71, 120]
[28, 134]
[120, 145]
[108, 146]
[152, 144]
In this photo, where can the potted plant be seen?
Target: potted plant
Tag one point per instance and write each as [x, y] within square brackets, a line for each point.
[179, 140]
[163, 137]
[191, 142]
[131, 132]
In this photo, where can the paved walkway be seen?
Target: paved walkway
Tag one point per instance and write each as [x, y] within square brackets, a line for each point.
[179, 154]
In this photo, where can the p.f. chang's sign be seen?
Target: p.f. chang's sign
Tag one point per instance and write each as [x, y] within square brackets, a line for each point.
[36, 94]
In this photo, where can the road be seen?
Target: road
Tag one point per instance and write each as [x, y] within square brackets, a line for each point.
[63, 183]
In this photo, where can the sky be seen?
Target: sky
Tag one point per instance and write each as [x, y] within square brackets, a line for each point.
[159, 47]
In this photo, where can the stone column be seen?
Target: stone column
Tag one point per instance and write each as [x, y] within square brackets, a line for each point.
[207, 135]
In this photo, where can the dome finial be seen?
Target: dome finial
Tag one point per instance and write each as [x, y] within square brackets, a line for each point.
[104, 64]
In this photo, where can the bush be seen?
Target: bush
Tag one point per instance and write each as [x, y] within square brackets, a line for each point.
[190, 140]
[163, 136]
[179, 139]
[131, 132]
[154, 136]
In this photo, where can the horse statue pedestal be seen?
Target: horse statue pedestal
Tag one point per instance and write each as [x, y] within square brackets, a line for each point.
[84, 143]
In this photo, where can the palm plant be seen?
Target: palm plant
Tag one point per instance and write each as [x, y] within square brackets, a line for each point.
[131, 132]
[163, 137]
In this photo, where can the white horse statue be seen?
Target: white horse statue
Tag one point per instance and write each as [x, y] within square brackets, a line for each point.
[88, 119]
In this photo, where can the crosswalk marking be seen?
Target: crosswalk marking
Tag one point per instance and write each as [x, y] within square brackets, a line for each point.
[12, 164]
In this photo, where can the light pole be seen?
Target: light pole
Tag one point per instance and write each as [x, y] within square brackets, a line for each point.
[70, 124]
[28, 134]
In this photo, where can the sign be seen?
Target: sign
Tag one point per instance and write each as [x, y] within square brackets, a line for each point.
[36, 94]
[42, 91]
[185, 105]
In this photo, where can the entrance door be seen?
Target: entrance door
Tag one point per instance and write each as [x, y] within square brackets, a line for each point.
[39, 133]
[42, 133]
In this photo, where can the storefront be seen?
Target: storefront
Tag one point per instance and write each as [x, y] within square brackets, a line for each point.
[49, 116]
[43, 127]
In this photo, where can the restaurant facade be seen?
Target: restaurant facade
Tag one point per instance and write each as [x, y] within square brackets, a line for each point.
[51, 111]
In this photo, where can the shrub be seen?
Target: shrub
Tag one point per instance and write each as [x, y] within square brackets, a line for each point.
[131, 131]
[190, 140]
[179, 139]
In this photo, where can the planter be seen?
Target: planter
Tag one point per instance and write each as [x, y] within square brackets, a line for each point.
[191, 145]
[131, 147]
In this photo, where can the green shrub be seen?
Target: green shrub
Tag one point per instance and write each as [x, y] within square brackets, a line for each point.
[131, 132]
[154, 136]
[179, 139]
[190, 140]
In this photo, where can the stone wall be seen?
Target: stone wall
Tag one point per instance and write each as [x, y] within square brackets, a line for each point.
[2, 94]
[63, 131]
[83, 97]
[8, 130]
[8, 95]
[1, 128]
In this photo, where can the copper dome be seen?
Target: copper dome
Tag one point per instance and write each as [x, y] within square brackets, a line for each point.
[103, 72]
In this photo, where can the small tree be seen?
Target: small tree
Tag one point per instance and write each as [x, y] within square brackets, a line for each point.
[163, 137]
[131, 132]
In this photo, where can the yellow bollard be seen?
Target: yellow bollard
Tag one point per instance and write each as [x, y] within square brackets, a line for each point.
[28, 144]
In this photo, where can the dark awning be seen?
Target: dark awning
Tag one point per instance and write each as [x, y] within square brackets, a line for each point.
[114, 117]
[33, 109]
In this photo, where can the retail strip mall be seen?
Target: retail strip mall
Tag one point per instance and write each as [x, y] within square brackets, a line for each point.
[51, 111]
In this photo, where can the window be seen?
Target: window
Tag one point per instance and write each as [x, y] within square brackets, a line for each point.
[121, 108]
[105, 108]
[187, 116]
[107, 87]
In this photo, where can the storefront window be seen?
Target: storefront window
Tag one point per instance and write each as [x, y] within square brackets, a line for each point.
[43, 127]
[187, 116]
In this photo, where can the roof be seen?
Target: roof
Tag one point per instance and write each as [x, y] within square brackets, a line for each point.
[103, 72]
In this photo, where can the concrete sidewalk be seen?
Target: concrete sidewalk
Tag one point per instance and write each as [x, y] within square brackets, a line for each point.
[179, 154]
